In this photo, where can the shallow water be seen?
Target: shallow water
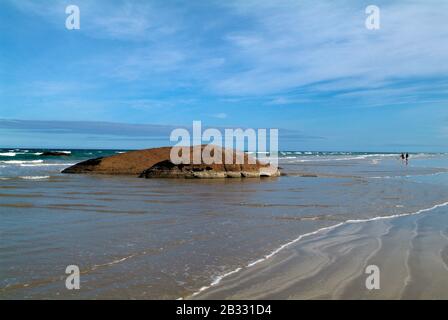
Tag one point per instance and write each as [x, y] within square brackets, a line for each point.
[410, 252]
[166, 239]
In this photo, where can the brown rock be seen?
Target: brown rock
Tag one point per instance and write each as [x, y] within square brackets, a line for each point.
[156, 162]
[128, 163]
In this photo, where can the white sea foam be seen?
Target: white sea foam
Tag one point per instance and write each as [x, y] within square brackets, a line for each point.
[384, 177]
[107, 264]
[425, 174]
[46, 164]
[34, 177]
[410, 175]
[21, 161]
[7, 154]
[218, 279]
[321, 160]
[336, 157]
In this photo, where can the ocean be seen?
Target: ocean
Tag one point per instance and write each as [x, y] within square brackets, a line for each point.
[168, 239]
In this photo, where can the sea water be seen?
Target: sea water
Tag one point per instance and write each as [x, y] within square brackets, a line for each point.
[167, 239]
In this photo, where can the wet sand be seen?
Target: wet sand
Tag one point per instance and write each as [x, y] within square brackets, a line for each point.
[411, 253]
[168, 239]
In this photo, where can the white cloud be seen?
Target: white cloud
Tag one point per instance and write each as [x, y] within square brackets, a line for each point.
[298, 43]
[262, 48]
[220, 115]
[120, 19]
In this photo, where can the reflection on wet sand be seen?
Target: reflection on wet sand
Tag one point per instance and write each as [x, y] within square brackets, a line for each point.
[410, 251]
[167, 239]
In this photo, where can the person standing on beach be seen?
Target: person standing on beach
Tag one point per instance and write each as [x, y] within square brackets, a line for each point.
[402, 157]
[407, 158]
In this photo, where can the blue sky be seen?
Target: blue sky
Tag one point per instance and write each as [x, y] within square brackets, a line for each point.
[308, 67]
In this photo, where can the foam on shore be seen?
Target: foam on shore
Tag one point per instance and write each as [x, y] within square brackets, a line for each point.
[35, 177]
[300, 237]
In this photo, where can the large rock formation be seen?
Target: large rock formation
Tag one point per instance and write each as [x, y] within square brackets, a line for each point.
[128, 163]
[156, 163]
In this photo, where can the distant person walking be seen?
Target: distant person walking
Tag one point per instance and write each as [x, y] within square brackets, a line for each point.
[407, 158]
[402, 157]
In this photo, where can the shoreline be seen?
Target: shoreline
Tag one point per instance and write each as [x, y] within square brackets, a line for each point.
[189, 238]
[265, 259]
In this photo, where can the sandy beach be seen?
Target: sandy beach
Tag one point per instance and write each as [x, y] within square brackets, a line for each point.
[308, 234]
[410, 251]
[240, 149]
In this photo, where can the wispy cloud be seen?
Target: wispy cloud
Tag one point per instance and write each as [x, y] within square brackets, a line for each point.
[286, 44]
[220, 115]
[122, 20]
[88, 127]
[108, 131]
[299, 64]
